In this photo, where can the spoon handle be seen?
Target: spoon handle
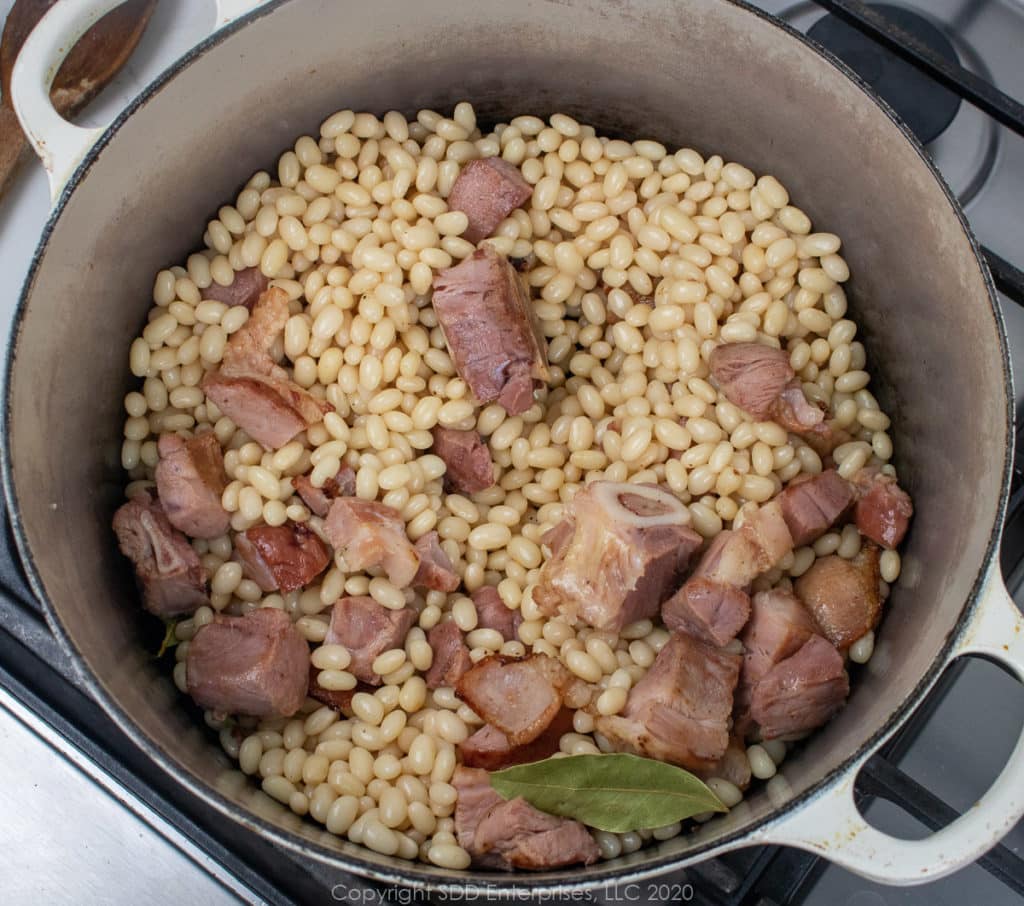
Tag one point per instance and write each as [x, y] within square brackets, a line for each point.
[12, 145]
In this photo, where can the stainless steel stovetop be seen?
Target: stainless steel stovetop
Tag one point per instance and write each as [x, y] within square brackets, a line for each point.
[84, 817]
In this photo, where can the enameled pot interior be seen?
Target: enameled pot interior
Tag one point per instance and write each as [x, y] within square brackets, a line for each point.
[704, 73]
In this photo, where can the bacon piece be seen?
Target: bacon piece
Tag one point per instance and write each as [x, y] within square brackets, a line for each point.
[679, 712]
[812, 504]
[256, 665]
[367, 629]
[169, 572]
[801, 692]
[883, 508]
[843, 595]
[468, 461]
[513, 834]
[451, 656]
[629, 544]
[489, 748]
[246, 288]
[282, 557]
[435, 570]
[367, 533]
[319, 499]
[493, 336]
[487, 191]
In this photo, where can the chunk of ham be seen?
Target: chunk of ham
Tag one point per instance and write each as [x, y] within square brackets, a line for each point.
[169, 573]
[811, 505]
[367, 533]
[801, 692]
[679, 712]
[281, 557]
[713, 604]
[435, 570]
[451, 656]
[367, 629]
[512, 833]
[519, 696]
[256, 665]
[843, 595]
[489, 748]
[246, 288]
[491, 613]
[319, 499]
[487, 191]
[467, 460]
[252, 389]
[488, 322]
[190, 480]
[883, 508]
[628, 547]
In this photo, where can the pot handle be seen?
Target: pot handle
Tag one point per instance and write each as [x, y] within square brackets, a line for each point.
[62, 145]
[831, 825]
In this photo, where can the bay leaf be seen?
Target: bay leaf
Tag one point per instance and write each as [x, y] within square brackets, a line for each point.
[170, 639]
[611, 792]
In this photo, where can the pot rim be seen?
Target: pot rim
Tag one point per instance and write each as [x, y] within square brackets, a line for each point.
[421, 876]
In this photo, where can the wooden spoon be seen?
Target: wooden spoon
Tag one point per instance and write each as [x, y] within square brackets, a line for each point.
[87, 69]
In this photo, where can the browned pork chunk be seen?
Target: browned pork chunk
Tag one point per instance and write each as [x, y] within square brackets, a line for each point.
[713, 604]
[435, 570]
[487, 191]
[451, 656]
[491, 613]
[281, 557]
[492, 333]
[519, 696]
[679, 712]
[249, 284]
[811, 505]
[843, 595]
[512, 833]
[883, 508]
[256, 665]
[319, 499]
[489, 748]
[252, 389]
[801, 692]
[168, 570]
[190, 480]
[628, 547]
[468, 461]
[367, 629]
[367, 533]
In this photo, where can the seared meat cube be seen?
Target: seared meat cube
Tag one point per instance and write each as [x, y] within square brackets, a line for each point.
[707, 609]
[679, 712]
[281, 557]
[491, 613]
[168, 570]
[802, 692]
[811, 505]
[513, 834]
[468, 461]
[487, 191]
[367, 533]
[367, 629]
[628, 547]
[489, 748]
[435, 570]
[252, 389]
[319, 499]
[843, 595]
[883, 508]
[249, 284]
[190, 480]
[256, 665]
[488, 322]
[451, 656]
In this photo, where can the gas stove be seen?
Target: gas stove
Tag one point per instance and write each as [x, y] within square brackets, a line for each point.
[84, 814]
